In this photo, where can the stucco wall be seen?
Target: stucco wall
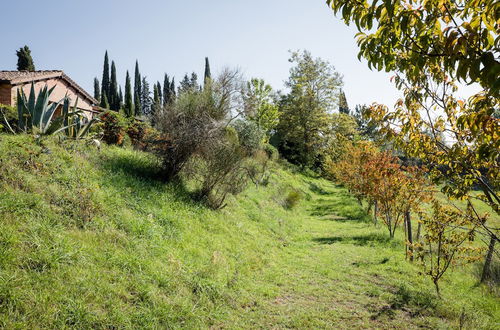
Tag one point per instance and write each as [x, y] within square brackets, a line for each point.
[57, 95]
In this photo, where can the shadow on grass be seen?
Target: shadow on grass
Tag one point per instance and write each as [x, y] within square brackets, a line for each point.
[342, 209]
[142, 173]
[359, 240]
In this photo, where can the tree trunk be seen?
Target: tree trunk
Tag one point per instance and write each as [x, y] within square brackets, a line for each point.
[419, 229]
[375, 210]
[489, 257]
[409, 233]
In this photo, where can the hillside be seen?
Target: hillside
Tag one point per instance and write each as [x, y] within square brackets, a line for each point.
[90, 239]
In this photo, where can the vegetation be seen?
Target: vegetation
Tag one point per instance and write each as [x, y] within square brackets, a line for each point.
[104, 244]
[24, 59]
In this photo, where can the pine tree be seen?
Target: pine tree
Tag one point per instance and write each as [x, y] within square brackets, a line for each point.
[97, 89]
[194, 81]
[208, 74]
[343, 106]
[114, 96]
[129, 106]
[166, 90]
[105, 80]
[137, 89]
[24, 59]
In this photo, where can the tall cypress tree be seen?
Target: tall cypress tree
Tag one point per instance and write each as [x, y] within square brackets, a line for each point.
[166, 90]
[121, 97]
[343, 106]
[105, 81]
[129, 106]
[114, 96]
[208, 74]
[172, 90]
[97, 89]
[156, 96]
[137, 89]
[145, 97]
[160, 96]
[24, 59]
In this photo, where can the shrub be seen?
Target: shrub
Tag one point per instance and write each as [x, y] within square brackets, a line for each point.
[249, 134]
[271, 151]
[136, 130]
[114, 126]
[292, 199]
[8, 118]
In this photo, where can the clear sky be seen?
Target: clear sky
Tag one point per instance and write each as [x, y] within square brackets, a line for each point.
[175, 36]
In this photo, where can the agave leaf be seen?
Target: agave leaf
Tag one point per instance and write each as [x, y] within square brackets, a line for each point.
[54, 126]
[31, 100]
[85, 129]
[40, 108]
[24, 116]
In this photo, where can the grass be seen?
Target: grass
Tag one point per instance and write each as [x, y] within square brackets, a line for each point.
[90, 239]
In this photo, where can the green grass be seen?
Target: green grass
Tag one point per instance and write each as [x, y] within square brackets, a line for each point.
[91, 239]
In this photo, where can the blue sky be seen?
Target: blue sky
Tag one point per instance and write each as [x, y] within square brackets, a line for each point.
[175, 36]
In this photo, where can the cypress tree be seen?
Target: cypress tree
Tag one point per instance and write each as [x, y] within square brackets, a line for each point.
[105, 80]
[166, 90]
[129, 106]
[208, 74]
[160, 96]
[156, 96]
[24, 59]
[114, 96]
[343, 106]
[145, 97]
[121, 98]
[172, 90]
[104, 102]
[97, 89]
[137, 89]
[137, 105]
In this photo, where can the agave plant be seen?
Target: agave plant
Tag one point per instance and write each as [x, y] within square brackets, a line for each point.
[74, 124]
[37, 115]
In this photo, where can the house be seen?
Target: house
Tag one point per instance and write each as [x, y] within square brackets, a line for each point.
[12, 81]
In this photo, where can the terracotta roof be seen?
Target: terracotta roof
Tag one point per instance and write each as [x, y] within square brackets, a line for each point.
[22, 77]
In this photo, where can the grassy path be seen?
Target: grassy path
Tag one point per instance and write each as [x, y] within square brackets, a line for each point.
[342, 272]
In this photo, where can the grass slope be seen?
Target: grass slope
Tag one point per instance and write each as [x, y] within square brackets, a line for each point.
[89, 239]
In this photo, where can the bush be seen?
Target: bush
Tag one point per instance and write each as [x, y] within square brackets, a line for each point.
[114, 126]
[136, 130]
[8, 117]
[271, 151]
[249, 134]
[292, 199]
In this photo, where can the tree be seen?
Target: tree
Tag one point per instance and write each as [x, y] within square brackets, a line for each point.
[167, 93]
[208, 74]
[160, 94]
[260, 107]
[343, 106]
[172, 90]
[114, 96]
[120, 97]
[105, 85]
[137, 89]
[313, 85]
[97, 89]
[24, 59]
[367, 128]
[129, 106]
[146, 100]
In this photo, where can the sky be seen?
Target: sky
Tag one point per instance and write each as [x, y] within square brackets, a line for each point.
[174, 37]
